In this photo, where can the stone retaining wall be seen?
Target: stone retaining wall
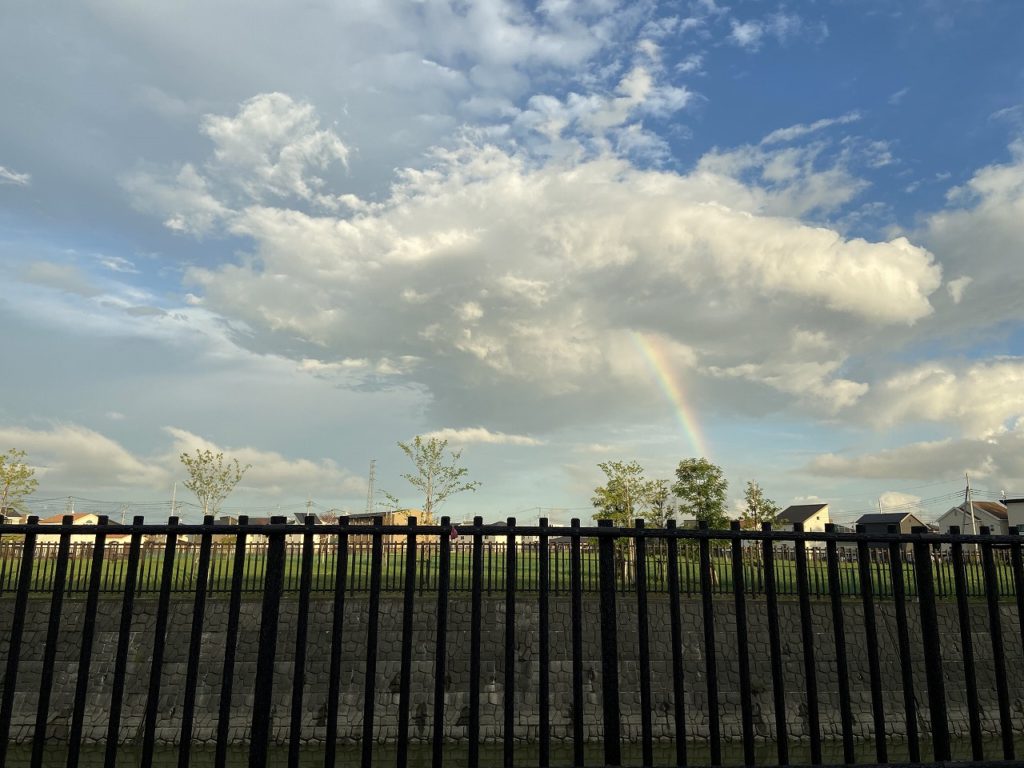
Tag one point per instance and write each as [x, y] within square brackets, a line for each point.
[492, 678]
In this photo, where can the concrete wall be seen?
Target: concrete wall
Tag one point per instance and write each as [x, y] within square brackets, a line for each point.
[456, 686]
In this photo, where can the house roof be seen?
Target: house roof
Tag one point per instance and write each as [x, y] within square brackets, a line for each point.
[886, 518]
[994, 508]
[798, 513]
[60, 518]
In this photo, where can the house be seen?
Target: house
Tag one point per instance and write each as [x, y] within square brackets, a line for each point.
[986, 513]
[1014, 511]
[812, 516]
[879, 522]
[82, 518]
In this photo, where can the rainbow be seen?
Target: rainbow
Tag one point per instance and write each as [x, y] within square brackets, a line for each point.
[654, 355]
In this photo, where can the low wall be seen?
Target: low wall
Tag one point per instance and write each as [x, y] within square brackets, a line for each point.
[388, 652]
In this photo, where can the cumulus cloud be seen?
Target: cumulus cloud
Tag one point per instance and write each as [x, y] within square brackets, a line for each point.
[68, 456]
[982, 398]
[998, 458]
[508, 271]
[470, 435]
[271, 472]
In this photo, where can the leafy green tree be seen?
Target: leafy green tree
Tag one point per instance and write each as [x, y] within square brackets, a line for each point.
[759, 508]
[438, 476]
[627, 495]
[212, 479]
[16, 481]
[701, 487]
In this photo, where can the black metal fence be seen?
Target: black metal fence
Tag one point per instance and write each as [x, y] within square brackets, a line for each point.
[605, 560]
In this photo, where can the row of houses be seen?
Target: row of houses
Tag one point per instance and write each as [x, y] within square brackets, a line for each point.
[997, 516]
[970, 517]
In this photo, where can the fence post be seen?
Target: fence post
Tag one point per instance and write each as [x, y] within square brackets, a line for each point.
[995, 626]
[675, 619]
[932, 645]
[576, 588]
[163, 608]
[867, 597]
[544, 586]
[707, 584]
[839, 632]
[775, 646]
[272, 587]
[609, 647]
[742, 651]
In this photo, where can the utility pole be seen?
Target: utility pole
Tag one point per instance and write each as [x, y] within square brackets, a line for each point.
[174, 497]
[970, 507]
[369, 486]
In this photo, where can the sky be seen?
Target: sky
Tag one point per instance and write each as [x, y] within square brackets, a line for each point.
[784, 236]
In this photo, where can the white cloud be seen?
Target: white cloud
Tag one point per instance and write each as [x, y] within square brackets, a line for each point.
[890, 500]
[982, 398]
[803, 129]
[271, 147]
[68, 456]
[501, 268]
[7, 176]
[747, 34]
[271, 472]
[957, 287]
[471, 435]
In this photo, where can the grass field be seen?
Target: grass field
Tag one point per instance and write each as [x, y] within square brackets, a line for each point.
[493, 572]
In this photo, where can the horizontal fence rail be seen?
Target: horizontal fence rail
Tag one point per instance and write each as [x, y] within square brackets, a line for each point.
[626, 646]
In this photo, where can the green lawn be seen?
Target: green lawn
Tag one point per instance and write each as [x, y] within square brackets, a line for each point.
[493, 573]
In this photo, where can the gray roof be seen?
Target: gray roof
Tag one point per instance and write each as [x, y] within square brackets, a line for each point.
[798, 513]
[886, 518]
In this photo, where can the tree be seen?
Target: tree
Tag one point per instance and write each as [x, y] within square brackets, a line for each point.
[759, 509]
[16, 481]
[211, 479]
[437, 476]
[627, 495]
[700, 488]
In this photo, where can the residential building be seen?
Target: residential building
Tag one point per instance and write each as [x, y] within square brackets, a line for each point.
[1014, 510]
[986, 513]
[812, 516]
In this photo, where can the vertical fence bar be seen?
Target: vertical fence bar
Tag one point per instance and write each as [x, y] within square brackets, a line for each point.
[543, 698]
[867, 596]
[337, 639]
[195, 644]
[710, 656]
[835, 589]
[370, 682]
[275, 563]
[742, 648]
[903, 638]
[508, 731]
[576, 588]
[301, 636]
[17, 630]
[405, 670]
[775, 647]
[995, 626]
[123, 638]
[50, 646]
[441, 639]
[230, 643]
[676, 624]
[85, 651]
[159, 644]
[476, 610]
[807, 636]
[646, 727]
[1017, 562]
[966, 645]
[609, 647]
[932, 646]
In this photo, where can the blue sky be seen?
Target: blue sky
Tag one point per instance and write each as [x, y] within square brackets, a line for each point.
[302, 234]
